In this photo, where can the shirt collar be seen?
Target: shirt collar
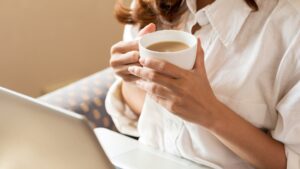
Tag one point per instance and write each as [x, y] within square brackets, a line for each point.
[227, 17]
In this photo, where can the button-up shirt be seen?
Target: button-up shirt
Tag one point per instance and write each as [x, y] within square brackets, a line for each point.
[252, 60]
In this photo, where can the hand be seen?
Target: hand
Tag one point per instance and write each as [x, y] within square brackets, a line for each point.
[125, 54]
[186, 93]
[189, 95]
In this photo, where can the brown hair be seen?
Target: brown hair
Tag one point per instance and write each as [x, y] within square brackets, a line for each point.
[160, 12]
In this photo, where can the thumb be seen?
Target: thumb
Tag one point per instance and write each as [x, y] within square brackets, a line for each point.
[147, 29]
[199, 64]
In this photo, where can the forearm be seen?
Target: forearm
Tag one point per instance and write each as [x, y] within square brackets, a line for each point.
[247, 141]
[133, 96]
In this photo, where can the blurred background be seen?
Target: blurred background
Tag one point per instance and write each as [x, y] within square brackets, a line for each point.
[46, 44]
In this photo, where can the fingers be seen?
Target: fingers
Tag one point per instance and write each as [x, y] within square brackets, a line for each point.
[153, 76]
[166, 103]
[124, 59]
[130, 78]
[125, 54]
[147, 29]
[163, 67]
[154, 89]
[124, 47]
[199, 57]
[123, 70]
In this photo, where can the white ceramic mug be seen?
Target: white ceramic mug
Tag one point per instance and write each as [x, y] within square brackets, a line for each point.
[184, 58]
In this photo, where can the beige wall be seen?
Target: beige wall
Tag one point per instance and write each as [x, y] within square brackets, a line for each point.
[45, 42]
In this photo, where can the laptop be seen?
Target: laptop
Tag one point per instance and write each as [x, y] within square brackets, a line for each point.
[35, 135]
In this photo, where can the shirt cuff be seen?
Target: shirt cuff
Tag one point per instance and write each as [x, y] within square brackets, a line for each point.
[293, 158]
[123, 117]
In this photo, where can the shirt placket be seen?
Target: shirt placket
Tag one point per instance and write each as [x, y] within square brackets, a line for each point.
[174, 125]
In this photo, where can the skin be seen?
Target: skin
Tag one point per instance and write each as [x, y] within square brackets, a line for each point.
[123, 55]
[170, 86]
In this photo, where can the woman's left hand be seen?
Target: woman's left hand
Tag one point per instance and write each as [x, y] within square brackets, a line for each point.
[186, 93]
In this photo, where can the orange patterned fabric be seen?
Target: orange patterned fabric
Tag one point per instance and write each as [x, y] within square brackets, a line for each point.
[86, 97]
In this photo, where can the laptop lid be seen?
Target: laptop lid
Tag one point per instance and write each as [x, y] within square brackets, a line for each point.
[34, 135]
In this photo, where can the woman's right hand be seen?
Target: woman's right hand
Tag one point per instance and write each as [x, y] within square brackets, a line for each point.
[125, 54]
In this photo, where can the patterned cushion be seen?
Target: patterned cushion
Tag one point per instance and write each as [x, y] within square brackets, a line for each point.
[86, 97]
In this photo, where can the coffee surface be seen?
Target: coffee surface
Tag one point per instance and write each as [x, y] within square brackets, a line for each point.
[168, 46]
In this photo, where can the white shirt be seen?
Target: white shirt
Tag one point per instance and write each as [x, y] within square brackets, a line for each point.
[253, 64]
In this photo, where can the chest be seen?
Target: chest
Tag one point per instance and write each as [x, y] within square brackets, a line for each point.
[243, 73]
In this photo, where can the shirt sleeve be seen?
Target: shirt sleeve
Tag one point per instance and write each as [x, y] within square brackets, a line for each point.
[130, 31]
[287, 129]
[123, 117]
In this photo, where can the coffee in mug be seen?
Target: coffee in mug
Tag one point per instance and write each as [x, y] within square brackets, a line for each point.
[176, 47]
[168, 46]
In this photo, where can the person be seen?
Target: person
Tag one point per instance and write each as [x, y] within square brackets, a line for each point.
[239, 107]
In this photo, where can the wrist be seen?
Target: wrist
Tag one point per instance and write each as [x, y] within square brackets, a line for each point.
[220, 117]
